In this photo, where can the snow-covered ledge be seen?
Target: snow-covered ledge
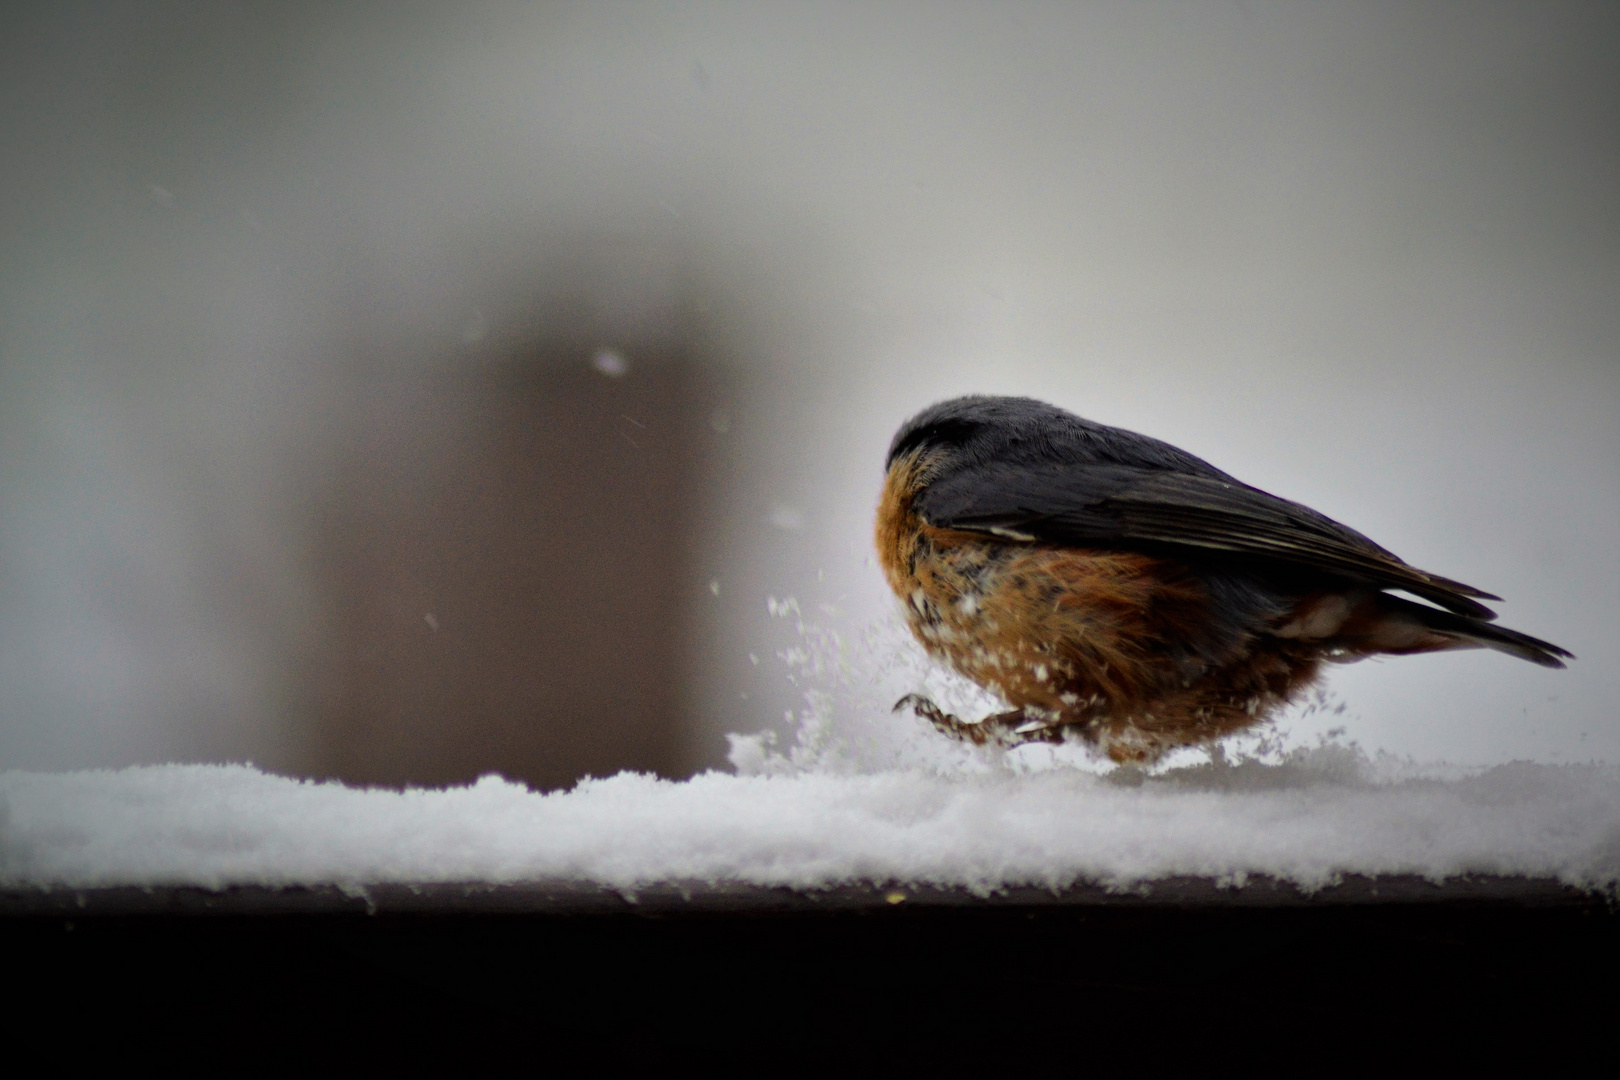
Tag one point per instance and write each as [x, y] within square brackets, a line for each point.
[1308, 822]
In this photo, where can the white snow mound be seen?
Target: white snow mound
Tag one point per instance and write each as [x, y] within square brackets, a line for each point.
[1309, 820]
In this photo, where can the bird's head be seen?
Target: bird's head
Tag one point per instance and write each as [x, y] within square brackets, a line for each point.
[975, 429]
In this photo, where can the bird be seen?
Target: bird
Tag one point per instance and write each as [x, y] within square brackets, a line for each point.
[1113, 588]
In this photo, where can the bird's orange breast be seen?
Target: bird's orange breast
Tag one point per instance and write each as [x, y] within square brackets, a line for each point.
[1064, 630]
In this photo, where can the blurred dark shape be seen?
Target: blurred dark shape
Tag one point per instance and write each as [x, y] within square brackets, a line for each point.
[503, 550]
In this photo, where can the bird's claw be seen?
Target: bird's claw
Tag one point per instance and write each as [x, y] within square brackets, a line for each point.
[1008, 729]
[942, 720]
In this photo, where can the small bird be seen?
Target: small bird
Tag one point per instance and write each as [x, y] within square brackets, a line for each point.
[1110, 586]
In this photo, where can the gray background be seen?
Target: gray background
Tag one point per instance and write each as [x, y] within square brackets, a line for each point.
[1365, 256]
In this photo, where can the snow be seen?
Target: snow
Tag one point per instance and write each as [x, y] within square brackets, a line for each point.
[855, 795]
[1310, 818]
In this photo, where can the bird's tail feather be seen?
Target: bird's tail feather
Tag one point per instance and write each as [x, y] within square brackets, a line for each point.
[1447, 630]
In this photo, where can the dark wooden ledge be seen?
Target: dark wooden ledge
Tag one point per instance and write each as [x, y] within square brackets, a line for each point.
[1184, 969]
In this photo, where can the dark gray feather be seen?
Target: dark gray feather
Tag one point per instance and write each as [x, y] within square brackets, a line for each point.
[1021, 467]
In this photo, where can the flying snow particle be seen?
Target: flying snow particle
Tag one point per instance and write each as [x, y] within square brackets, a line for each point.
[610, 363]
[787, 518]
[781, 609]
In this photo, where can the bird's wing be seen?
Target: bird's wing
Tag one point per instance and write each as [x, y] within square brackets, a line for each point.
[1107, 504]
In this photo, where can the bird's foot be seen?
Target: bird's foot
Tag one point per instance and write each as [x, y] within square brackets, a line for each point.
[1012, 728]
[942, 720]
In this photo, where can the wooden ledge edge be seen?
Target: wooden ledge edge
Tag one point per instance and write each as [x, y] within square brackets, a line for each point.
[587, 898]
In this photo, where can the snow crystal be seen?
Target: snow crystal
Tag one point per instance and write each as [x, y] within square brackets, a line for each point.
[787, 518]
[610, 363]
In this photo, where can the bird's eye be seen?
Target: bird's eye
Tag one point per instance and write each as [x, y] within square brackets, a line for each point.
[952, 431]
